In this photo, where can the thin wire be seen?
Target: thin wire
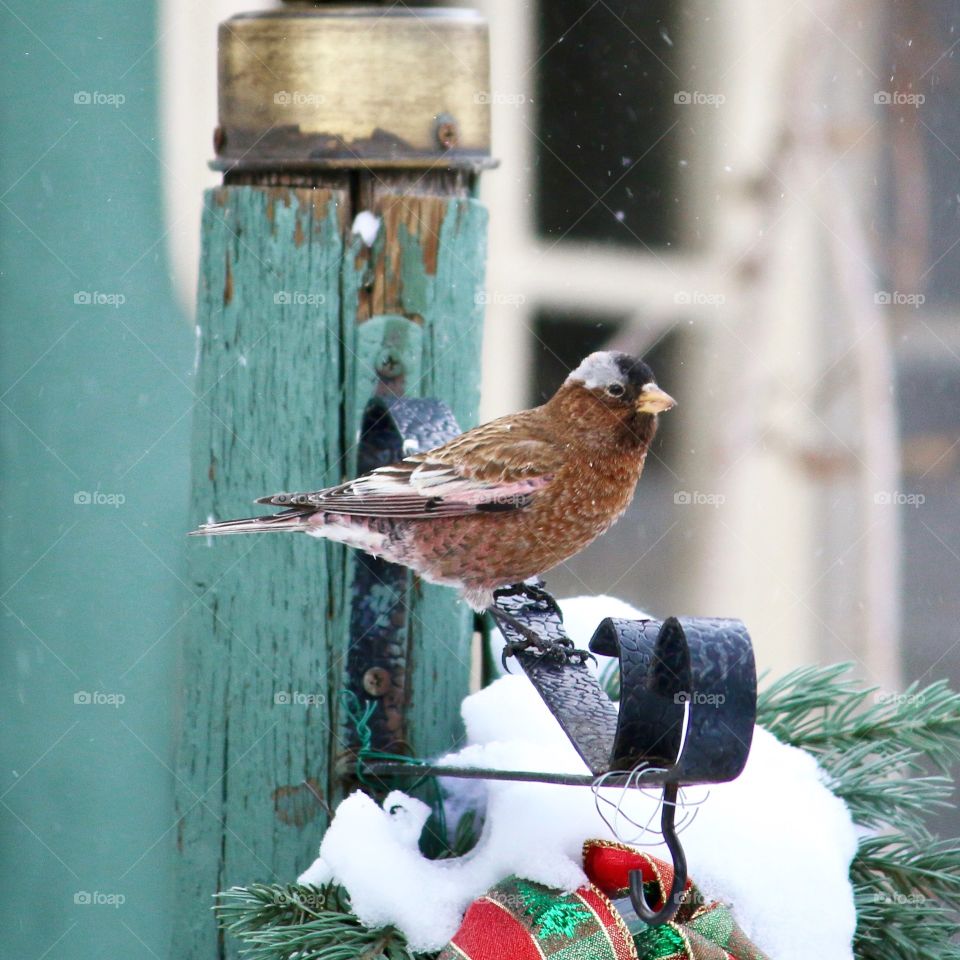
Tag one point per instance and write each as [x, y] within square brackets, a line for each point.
[359, 716]
[633, 782]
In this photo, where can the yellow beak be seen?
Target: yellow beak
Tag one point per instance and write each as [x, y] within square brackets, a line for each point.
[653, 400]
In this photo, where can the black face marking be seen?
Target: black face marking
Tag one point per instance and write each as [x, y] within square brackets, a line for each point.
[619, 379]
[636, 373]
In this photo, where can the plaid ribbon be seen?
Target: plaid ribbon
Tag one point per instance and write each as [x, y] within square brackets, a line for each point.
[521, 920]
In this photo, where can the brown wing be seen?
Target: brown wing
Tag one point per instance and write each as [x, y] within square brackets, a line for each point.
[496, 467]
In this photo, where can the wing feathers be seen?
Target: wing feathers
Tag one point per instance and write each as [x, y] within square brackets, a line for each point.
[493, 468]
[385, 493]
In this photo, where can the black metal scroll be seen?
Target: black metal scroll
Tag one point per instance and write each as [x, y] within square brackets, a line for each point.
[688, 700]
[689, 680]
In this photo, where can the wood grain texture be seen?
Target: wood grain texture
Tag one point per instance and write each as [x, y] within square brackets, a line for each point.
[289, 350]
[266, 417]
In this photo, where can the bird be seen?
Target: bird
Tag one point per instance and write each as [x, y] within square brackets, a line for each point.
[499, 505]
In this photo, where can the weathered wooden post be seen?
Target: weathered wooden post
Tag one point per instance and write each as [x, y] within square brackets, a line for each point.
[342, 258]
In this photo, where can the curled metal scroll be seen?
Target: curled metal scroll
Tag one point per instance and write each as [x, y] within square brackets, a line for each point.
[688, 696]
[690, 682]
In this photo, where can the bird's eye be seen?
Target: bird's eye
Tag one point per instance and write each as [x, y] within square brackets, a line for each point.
[616, 390]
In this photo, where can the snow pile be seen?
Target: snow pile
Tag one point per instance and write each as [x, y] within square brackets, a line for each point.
[775, 843]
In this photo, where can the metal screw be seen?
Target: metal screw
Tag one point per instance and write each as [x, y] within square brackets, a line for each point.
[389, 366]
[447, 132]
[376, 681]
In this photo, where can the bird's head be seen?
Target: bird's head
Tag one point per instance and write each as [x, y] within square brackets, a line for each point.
[621, 382]
[615, 388]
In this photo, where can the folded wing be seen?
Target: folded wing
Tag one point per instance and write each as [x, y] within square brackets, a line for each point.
[487, 470]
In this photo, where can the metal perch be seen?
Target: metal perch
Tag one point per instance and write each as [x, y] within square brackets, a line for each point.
[688, 685]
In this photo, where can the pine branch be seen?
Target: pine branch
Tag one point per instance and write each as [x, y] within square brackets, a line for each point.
[906, 898]
[880, 786]
[898, 864]
[873, 747]
[883, 933]
[297, 922]
[822, 710]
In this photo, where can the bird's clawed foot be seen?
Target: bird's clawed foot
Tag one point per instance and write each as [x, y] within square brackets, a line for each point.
[541, 611]
[533, 592]
[552, 650]
[536, 592]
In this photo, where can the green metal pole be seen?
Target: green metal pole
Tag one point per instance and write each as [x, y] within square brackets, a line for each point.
[301, 320]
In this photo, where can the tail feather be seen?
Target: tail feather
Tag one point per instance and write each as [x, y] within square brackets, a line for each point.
[284, 522]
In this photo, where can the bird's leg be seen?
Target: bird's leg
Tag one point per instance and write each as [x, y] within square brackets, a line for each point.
[533, 591]
[561, 650]
[537, 593]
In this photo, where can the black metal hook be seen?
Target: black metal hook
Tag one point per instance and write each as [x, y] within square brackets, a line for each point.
[673, 900]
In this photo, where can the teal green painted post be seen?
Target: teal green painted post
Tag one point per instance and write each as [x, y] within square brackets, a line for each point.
[262, 649]
[95, 394]
[297, 317]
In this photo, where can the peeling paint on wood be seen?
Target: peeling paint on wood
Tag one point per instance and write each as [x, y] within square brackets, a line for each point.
[266, 413]
[296, 318]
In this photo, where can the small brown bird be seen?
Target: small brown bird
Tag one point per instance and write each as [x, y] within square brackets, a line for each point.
[501, 503]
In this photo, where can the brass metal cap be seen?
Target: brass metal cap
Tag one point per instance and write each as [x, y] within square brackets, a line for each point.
[349, 86]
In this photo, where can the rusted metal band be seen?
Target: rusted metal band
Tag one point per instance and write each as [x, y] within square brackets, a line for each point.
[352, 86]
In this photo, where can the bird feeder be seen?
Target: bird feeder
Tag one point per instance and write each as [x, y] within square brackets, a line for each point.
[688, 685]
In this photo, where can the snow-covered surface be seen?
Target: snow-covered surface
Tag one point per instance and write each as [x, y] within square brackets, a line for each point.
[775, 843]
[366, 224]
